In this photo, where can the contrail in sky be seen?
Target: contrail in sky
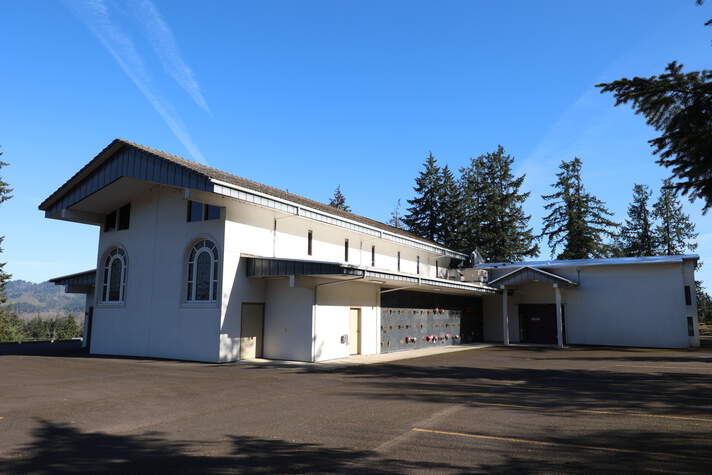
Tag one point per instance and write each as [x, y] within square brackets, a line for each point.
[97, 17]
[166, 48]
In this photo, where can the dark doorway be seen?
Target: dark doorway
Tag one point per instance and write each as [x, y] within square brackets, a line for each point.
[471, 324]
[89, 316]
[537, 323]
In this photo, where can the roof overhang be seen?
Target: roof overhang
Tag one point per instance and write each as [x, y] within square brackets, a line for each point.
[79, 283]
[269, 267]
[528, 274]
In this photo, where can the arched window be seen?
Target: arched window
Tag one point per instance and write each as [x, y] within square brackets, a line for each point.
[114, 283]
[202, 273]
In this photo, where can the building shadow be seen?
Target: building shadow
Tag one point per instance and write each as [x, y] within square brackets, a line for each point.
[459, 379]
[64, 449]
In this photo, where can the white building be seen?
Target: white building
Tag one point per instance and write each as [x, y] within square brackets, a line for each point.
[644, 302]
[198, 264]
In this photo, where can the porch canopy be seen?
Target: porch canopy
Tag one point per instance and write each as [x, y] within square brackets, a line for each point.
[527, 274]
[524, 275]
[265, 267]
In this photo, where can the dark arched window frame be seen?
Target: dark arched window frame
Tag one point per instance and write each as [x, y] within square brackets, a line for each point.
[202, 272]
[113, 288]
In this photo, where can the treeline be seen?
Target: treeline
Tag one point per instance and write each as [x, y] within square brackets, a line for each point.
[482, 208]
[15, 329]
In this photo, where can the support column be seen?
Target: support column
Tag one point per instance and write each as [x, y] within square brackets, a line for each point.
[505, 317]
[559, 319]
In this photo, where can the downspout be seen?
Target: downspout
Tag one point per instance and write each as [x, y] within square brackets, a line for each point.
[316, 296]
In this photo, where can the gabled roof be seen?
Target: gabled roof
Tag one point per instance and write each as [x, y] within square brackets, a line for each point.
[214, 174]
[528, 273]
[609, 261]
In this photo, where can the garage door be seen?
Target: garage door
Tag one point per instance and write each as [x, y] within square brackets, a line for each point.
[537, 323]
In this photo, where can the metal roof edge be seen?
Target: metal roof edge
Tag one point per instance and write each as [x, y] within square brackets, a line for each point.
[209, 172]
[609, 261]
[71, 276]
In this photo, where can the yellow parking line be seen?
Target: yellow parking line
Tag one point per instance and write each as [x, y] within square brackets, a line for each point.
[608, 413]
[499, 404]
[541, 442]
[664, 367]
[641, 414]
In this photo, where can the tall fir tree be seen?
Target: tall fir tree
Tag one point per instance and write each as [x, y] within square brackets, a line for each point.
[577, 221]
[450, 207]
[675, 232]
[492, 211]
[338, 200]
[5, 194]
[637, 236]
[423, 217]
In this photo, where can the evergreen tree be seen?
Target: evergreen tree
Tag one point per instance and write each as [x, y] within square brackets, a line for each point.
[12, 328]
[637, 236]
[493, 219]
[338, 200]
[396, 216]
[704, 304]
[36, 328]
[577, 221]
[675, 232]
[450, 207]
[67, 328]
[5, 194]
[423, 217]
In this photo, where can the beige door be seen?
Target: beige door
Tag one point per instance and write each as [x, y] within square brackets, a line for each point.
[251, 330]
[355, 331]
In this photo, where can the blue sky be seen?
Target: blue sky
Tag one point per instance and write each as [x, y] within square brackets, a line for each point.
[307, 95]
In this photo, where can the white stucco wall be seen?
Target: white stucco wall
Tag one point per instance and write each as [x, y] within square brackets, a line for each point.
[288, 331]
[618, 305]
[288, 321]
[334, 302]
[154, 321]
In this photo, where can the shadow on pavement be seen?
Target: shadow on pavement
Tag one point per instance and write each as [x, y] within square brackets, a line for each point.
[477, 380]
[60, 448]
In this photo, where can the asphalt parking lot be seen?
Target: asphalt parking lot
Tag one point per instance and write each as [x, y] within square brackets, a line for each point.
[523, 410]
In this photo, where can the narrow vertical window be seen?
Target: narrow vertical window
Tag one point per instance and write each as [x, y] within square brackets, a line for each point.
[195, 211]
[202, 272]
[309, 243]
[690, 326]
[211, 212]
[398, 261]
[688, 295]
[346, 250]
[110, 222]
[417, 265]
[373, 256]
[124, 217]
[437, 269]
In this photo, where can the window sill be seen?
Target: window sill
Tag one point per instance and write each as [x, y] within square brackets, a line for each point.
[199, 305]
[111, 304]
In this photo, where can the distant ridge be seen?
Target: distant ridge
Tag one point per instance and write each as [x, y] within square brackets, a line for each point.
[28, 299]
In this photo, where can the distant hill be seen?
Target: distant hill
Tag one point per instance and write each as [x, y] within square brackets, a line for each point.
[28, 299]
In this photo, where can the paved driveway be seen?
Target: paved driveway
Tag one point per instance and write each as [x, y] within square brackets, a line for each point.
[488, 410]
